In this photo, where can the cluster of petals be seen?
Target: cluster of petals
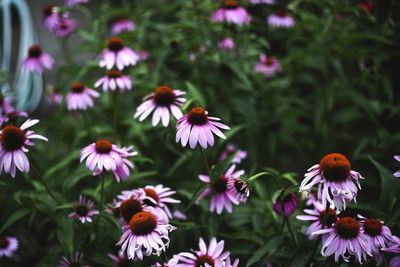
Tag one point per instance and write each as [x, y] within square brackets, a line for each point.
[268, 66]
[280, 19]
[37, 60]
[113, 80]
[231, 12]
[58, 23]
[80, 97]
[117, 54]
[230, 150]
[76, 260]
[8, 246]
[84, 210]
[122, 24]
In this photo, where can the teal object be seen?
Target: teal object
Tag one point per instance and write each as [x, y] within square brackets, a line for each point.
[26, 88]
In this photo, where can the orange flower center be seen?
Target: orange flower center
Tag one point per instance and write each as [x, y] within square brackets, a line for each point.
[129, 207]
[198, 116]
[335, 167]
[347, 228]
[164, 96]
[114, 74]
[77, 87]
[231, 4]
[153, 194]
[12, 138]
[103, 146]
[373, 227]
[269, 61]
[143, 223]
[115, 44]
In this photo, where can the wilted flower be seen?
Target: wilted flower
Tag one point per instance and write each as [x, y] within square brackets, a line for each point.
[75, 261]
[197, 127]
[37, 60]
[80, 97]
[14, 141]
[287, 205]
[397, 174]
[159, 196]
[11, 116]
[268, 66]
[230, 150]
[221, 196]
[280, 19]
[114, 80]
[83, 210]
[227, 43]
[337, 183]
[211, 256]
[345, 238]
[64, 27]
[145, 234]
[8, 246]
[231, 12]
[118, 54]
[164, 102]
[75, 2]
[122, 24]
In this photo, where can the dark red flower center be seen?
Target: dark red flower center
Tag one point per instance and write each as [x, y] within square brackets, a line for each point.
[203, 259]
[129, 207]
[220, 185]
[103, 146]
[153, 194]
[164, 96]
[198, 116]
[231, 4]
[77, 87]
[4, 243]
[124, 262]
[82, 210]
[48, 10]
[63, 25]
[331, 217]
[347, 228]
[120, 18]
[114, 74]
[241, 186]
[269, 61]
[143, 223]
[335, 167]
[281, 13]
[34, 51]
[115, 44]
[75, 264]
[12, 138]
[373, 227]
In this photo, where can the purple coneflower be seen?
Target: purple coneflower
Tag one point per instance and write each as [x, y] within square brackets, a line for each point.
[239, 188]
[50, 17]
[160, 196]
[337, 183]
[76, 261]
[231, 12]
[122, 24]
[211, 256]
[395, 262]
[75, 2]
[268, 2]
[397, 174]
[316, 216]
[171, 263]
[221, 196]
[118, 54]
[345, 238]
[120, 260]
[228, 263]
[114, 80]
[12, 116]
[145, 234]
[164, 102]
[37, 60]
[269, 66]
[55, 97]
[5, 105]
[14, 141]
[64, 27]
[129, 203]
[80, 97]
[227, 44]
[287, 205]
[230, 150]
[197, 127]
[84, 210]
[8, 246]
[280, 19]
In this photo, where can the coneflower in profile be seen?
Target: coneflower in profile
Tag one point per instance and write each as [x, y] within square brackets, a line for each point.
[122, 24]
[268, 66]
[280, 19]
[231, 12]
[114, 80]
[37, 60]
[117, 54]
[80, 97]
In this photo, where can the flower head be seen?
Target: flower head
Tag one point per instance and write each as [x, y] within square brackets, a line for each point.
[286, 205]
[145, 234]
[227, 44]
[76, 261]
[80, 97]
[14, 142]
[345, 238]
[118, 54]
[280, 19]
[122, 24]
[221, 195]
[5, 105]
[212, 255]
[164, 102]
[55, 97]
[171, 263]
[51, 17]
[158, 198]
[129, 203]
[64, 27]
[231, 12]
[230, 150]
[337, 183]
[268, 66]
[239, 188]
[37, 60]
[75, 2]
[197, 127]
[114, 80]
[84, 210]
[8, 246]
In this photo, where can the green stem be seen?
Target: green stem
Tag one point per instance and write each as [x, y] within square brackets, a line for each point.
[87, 122]
[291, 231]
[203, 154]
[45, 185]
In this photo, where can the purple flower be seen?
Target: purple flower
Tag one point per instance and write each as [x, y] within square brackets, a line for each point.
[11, 116]
[64, 27]
[239, 188]
[14, 142]
[114, 80]
[8, 246]
[51, 17]
[120, 260]
[5, 105]
[268, 2]
[221, 196]
[344, 239]
[129, 203]
[269, 66]
[164, 102]
[395, 262]
[280, 19]
[75, 2]
[197, 127]
[55, 97]
[171, 263]
[212, 255]
[286, 206]
[122, 24]
[230, 150]
[37, 60]
[227, 44]
[158, 198]
[337, 183]
[80, 97]
[118, 54]
[397, 174]
[231, 12]
[77, 260]
[83, 210]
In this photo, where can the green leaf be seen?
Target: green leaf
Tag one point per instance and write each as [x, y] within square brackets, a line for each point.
[268, 248]
[196, 94]
[220, 168]
[16, 216]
